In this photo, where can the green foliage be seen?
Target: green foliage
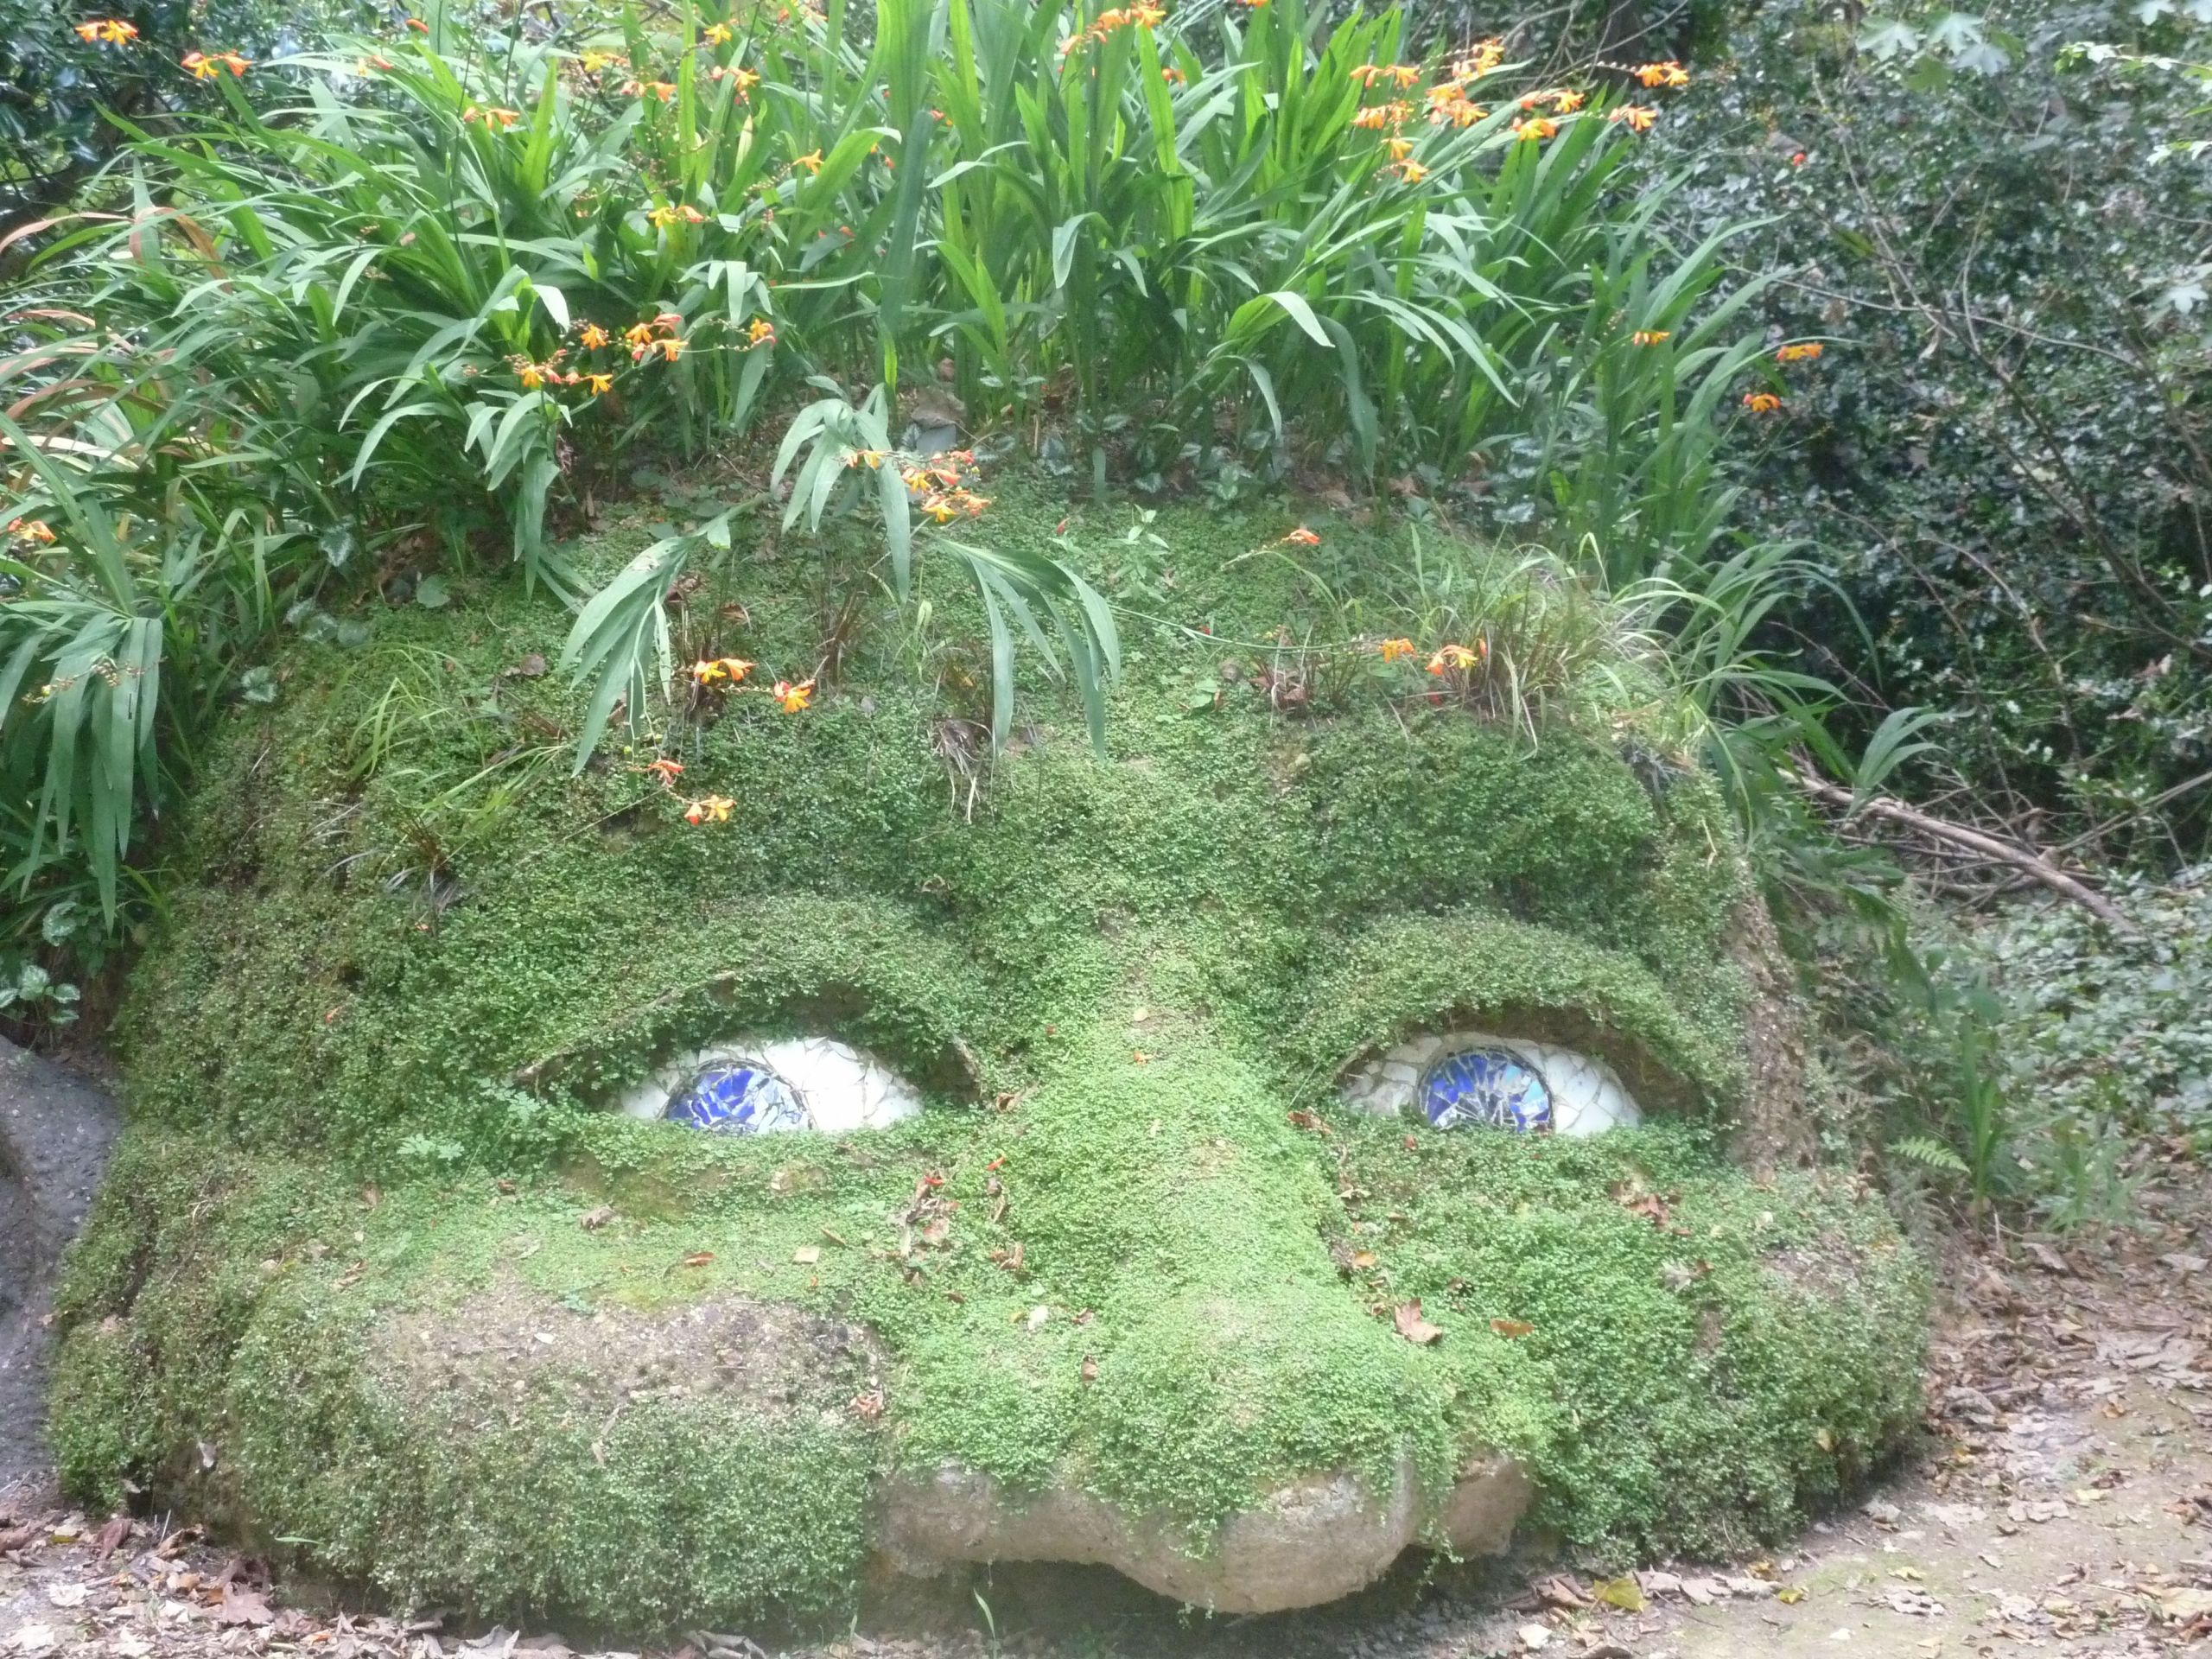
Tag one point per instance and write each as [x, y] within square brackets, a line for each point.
[60, 89]
[2000, 456]
[374, 301]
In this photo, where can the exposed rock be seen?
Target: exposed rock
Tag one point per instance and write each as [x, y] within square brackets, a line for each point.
[1308, 1541]
[55, 1131]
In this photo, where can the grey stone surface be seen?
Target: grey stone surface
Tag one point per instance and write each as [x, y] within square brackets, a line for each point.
[55, 1132]
[1308, 1542]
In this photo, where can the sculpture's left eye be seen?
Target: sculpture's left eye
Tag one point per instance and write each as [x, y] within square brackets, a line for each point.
[801, 1083]
[1471, 1079]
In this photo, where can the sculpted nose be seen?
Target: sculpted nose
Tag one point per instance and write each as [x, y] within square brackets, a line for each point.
[1245, 1434]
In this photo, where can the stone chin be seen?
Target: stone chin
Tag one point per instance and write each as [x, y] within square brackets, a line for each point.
[1306, 1541]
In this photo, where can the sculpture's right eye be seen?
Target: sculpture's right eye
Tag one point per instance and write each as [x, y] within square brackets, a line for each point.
[764, 1088]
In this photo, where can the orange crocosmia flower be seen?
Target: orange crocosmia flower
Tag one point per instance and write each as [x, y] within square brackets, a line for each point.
[1809, 350]
[32, 530]
[716, 34]
[661, 217]
[599, 384]
[1411, 172]
[1453, 657]
[1668, 73]
[793, 698]
[812, 161]
[592, 337]
[1541, 127]
[1399, 148]
[666, 770]
[418, 25]
[532, 375]
[1567, 101]
[371, 64]
[206, 68]
[592, 62]
[111, 31]
[670, 349]
[870, 458]
[1394, 649]
[1251, 5]
[1404, 74]
[718, 808]
[762, 332]
[695, 812]
[1367, 73]
[1172, 75]
[1651, 336]
[1303, 537]
[1761, 402]
[639, 334]
[1639, 116]
[1374, 119]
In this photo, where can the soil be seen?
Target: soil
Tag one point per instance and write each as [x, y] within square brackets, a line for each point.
[2061, 1504]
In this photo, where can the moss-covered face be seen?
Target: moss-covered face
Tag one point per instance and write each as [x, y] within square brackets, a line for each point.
[387, 1274]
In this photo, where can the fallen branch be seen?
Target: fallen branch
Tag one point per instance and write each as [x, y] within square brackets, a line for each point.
[2029, 860]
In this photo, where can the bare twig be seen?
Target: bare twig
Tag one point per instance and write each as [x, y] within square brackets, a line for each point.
[2029, 860]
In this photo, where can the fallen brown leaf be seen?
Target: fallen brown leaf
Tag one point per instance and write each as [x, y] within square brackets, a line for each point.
[1412, 1326]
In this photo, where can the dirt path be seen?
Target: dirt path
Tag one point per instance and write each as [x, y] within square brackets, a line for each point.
[2062, 1506]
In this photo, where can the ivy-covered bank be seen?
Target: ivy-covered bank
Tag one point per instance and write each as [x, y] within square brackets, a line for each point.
[383, 1279]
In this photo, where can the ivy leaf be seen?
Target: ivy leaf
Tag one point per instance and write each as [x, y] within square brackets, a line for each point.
[1956, 32]
[1885, 38]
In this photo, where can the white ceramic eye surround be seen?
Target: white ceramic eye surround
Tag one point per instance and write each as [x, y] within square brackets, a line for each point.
[841, 1088]
[1587, 1095]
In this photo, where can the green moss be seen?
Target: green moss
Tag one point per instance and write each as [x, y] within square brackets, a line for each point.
[370, 1060]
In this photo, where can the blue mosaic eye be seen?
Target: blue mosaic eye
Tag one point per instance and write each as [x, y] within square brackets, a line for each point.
[1488, 1088]
[736, 1099]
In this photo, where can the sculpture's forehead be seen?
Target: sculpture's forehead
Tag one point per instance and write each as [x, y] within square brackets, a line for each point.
[398, 856]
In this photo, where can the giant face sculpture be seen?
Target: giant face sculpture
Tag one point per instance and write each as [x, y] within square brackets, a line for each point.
[1278, 1143]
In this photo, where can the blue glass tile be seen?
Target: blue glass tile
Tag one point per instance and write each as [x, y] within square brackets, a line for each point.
[1487, 1087]
[736, 1099]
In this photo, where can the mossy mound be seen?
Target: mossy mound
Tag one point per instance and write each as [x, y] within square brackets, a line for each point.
[1132, 1247]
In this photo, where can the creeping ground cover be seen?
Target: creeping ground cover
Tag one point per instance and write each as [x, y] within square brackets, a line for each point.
[386, 1279]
